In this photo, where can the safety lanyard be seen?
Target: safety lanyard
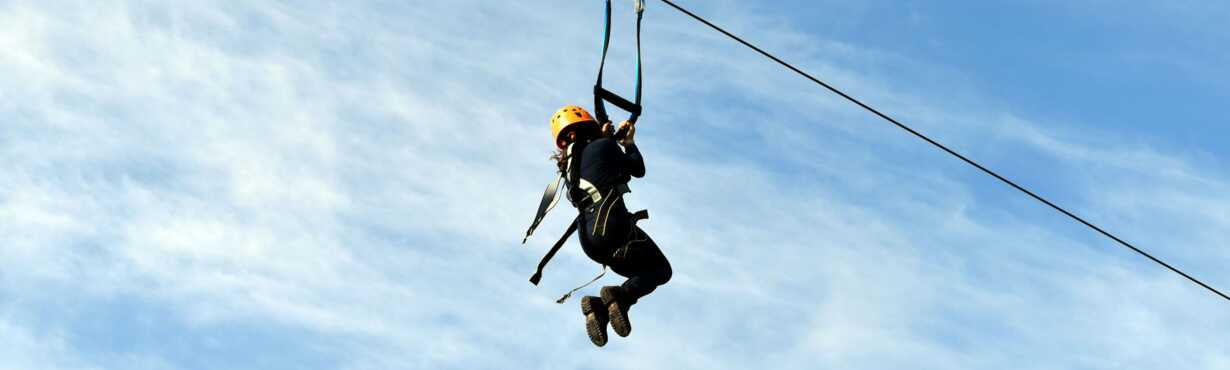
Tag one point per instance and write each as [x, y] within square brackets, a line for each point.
[602, 95]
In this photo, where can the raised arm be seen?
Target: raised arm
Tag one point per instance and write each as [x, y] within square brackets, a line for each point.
[634, 164]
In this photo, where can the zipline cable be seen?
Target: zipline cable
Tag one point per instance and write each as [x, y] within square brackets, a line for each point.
[949, 151]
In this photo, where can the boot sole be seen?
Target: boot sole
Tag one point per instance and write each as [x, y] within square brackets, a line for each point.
[615, 313]
[595, 325]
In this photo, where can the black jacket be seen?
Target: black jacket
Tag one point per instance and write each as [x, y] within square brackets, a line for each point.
[605, 165]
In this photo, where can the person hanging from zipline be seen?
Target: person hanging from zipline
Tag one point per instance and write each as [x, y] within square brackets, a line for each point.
[609, 234]
[595, 164]
[595, 168]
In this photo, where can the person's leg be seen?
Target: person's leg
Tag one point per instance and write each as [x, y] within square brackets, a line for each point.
[646, 268]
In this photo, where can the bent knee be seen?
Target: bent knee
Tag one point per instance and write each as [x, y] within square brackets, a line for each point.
[666, 273]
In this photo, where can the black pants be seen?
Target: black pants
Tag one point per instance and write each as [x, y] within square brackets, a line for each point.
[637, 259]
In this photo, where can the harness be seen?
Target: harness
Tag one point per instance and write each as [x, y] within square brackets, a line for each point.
[587, 198]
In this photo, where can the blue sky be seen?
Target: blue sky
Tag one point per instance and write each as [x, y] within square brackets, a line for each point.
[344, 185]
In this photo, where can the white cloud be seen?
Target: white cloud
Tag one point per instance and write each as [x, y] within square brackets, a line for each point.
[362, 173]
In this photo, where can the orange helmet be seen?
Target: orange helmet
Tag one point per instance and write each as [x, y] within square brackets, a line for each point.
[568, 119]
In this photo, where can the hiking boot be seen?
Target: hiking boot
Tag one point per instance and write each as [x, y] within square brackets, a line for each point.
[595, 319]
[615, 298]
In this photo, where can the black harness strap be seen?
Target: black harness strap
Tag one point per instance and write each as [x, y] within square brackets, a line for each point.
[549, 198]
[555, 248]
[569, 179]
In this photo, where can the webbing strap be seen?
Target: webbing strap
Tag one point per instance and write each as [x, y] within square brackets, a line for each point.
[561, 300]
[549, 199]
[555, 248]
[602, 95]
[640, 12]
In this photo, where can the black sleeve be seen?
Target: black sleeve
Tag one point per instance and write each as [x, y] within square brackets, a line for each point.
[634, 164]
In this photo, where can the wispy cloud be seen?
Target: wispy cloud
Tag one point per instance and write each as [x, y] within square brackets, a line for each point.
[347, 184]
